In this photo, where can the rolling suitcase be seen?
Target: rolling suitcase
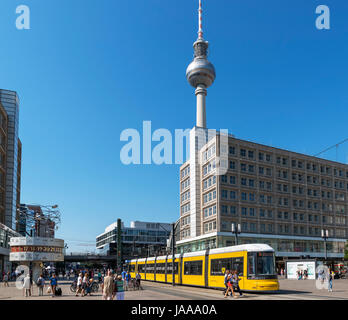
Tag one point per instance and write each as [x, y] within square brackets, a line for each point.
[58, 292]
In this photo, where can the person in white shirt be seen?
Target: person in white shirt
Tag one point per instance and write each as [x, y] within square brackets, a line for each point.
[79, 285]
[27, 285]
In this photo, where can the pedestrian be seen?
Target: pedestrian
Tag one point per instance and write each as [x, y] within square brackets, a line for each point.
[79, 285]
[99, 276]
[120, 288]
[27, 285]
[40, 284]
[330, 279]
[84, 284]
[108, 287]
[229, 285]
[53, 284]
[5, 279]
[124, 273]
[235, 283]
[138, 280]
[227, 272]
[128, 279]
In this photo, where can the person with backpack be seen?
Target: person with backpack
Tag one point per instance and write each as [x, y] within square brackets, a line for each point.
[235, 283]
[40, 284]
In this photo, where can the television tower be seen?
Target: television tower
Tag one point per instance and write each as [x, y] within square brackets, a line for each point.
[200, 73]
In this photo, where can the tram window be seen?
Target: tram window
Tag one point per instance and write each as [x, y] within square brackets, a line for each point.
[193, 268]
[160, 268]
[219, 266]
[265, 263]
[131, 267]
[169, 268]
[141, 268]
[238, 265]
[150, 268]
[251, 264]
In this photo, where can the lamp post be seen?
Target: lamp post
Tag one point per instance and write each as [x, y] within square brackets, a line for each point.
[236, 229]
[325, 236]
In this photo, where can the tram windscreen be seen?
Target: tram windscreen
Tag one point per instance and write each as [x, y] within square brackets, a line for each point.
[261, 264]
[265, 263]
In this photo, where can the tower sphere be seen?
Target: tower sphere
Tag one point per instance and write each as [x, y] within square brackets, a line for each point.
[200, 71]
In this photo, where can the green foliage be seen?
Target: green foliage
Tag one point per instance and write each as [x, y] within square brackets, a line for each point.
[346, 252]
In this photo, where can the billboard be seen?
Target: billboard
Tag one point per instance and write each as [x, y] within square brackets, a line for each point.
[293, 266]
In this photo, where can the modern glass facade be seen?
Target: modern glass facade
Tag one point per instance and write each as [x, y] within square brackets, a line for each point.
[10, 102]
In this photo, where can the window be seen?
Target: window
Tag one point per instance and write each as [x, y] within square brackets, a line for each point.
[218, 266]
[232, 180]
[251, 154]
[232, 150]
[242, 152]
[232, 165]
[193, 268]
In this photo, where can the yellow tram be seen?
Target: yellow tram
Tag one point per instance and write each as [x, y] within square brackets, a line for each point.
[255, 264]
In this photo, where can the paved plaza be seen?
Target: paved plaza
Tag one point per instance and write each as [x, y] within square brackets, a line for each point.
[289, 290]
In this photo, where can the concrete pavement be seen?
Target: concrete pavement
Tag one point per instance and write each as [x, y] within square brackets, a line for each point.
[289, 290]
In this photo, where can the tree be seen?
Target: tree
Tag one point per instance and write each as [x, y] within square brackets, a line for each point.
[346, 252]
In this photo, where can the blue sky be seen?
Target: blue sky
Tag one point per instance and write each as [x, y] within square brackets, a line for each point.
[87, 69]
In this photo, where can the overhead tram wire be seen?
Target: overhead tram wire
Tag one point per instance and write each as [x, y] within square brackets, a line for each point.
[333, 146]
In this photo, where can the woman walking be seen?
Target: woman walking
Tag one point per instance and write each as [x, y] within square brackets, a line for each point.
[235, 283]
[229, 285]
[53, 283]
[84, 284]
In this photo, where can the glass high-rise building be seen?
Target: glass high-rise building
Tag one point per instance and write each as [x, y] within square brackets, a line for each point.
[10, 103]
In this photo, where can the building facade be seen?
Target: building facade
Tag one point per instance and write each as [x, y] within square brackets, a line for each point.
[10, 172]
[139, 240]
[10, 103]
[278, 197]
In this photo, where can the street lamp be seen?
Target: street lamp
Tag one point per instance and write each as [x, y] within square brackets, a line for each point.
[236, 229]
[325, 236]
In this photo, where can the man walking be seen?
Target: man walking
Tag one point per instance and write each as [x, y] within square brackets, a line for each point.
[41, 284]
[124, 273]
[108, 286]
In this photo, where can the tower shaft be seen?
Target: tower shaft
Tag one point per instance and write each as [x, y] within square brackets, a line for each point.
[201, 118]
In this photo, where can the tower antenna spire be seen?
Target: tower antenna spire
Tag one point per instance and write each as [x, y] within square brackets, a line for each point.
[200, 73]
[200, 21]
